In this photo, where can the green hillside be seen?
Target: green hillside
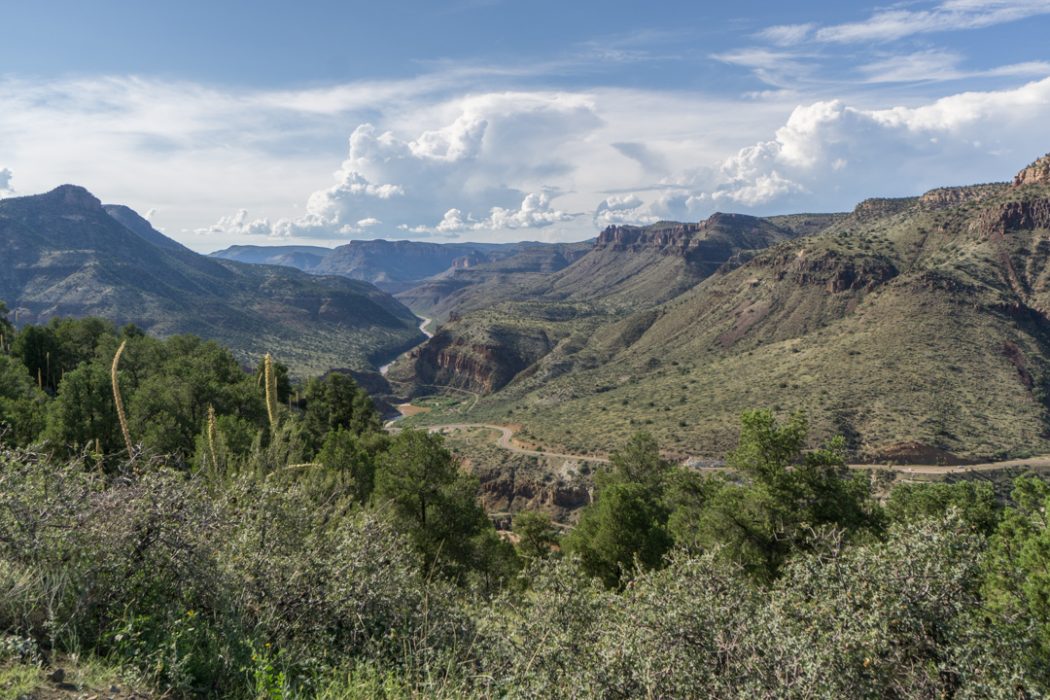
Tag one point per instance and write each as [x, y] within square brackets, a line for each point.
[915, 327]
[67, 255]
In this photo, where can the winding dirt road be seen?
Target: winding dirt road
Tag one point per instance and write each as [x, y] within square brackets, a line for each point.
[505, 440]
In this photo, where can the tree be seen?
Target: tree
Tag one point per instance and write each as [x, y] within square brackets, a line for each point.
[434, 504]
[974, 502]
[786, 495]
[536, 533]
[639, 462]
[349, 463]
[22, 407]
[7, 330]
[624, 526]
[83, 413]
[1017, 575]
[335, 402]
[37, 348]
[627, 523]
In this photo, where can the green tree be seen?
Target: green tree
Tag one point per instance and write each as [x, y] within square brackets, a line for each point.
[974, 502]
[7, 330]
[787, 493]
[22, 405]
[37, 348]
[336, 402]
[1017, 565]
[627, 523]
[349, 463]
[537, 535]
[639, 462]
[435, 505]
[83, 413]
[625, 526]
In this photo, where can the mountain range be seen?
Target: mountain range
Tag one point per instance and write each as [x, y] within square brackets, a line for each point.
[916, 327]
[394, 266]
[67, 254]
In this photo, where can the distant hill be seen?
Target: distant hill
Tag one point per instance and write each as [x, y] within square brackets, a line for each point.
[301, 257]
[426, 274]
[918, 327]
[482, 283]
[65, 254]
[500, 330]
[399, 265]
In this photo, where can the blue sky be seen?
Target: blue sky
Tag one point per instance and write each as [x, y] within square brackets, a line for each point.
[317, 122]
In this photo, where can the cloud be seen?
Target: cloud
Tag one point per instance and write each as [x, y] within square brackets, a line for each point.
[780, 68]
[623, 209]
[940, 65]
[535, 212]
[896, 22]
[787, 34]
[643, 155]
[433, 156]
[486, 169]
[827, 155]
[5, 182]
[829, 151]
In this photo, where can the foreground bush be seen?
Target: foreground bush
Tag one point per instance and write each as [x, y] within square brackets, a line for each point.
[899, 619]
[204, 593]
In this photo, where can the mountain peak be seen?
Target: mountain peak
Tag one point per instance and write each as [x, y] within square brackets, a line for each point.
[1036, 173]
[74, 197]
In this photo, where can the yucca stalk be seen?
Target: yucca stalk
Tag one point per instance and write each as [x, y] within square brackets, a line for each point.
[121, 416]
[211, 437]
[270, 381]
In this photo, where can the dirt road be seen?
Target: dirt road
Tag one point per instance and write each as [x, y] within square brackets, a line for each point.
[505, 440]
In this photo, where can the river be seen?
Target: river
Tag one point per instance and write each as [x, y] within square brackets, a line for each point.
[424, 322]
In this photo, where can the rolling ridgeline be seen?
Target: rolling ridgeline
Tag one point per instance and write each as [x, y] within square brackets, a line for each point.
[915, 327]
[66, 254]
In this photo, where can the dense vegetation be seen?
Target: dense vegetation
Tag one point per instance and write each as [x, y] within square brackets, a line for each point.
[263, 539]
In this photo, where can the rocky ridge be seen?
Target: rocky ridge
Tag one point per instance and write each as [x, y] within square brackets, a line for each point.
[1035, 174]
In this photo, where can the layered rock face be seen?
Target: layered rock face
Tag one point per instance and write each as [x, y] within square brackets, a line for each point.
[482, 365]
[671, 237]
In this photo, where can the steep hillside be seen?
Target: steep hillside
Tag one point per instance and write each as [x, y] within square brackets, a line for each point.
[916, 327]
[67, 255]
[553, 317]
[464, 288]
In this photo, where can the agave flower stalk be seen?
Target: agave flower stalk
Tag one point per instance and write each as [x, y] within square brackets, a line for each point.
[121, 416]
[211, 437]
[270, 381]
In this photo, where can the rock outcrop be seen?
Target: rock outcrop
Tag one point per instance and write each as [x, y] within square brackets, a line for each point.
[1038, 173]
[478, 366]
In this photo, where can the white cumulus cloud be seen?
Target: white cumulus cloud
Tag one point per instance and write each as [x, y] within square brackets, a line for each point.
[5, 182]
[830, 148]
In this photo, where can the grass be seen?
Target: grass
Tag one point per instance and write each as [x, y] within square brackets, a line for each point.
[19, 680]
[80, 677]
